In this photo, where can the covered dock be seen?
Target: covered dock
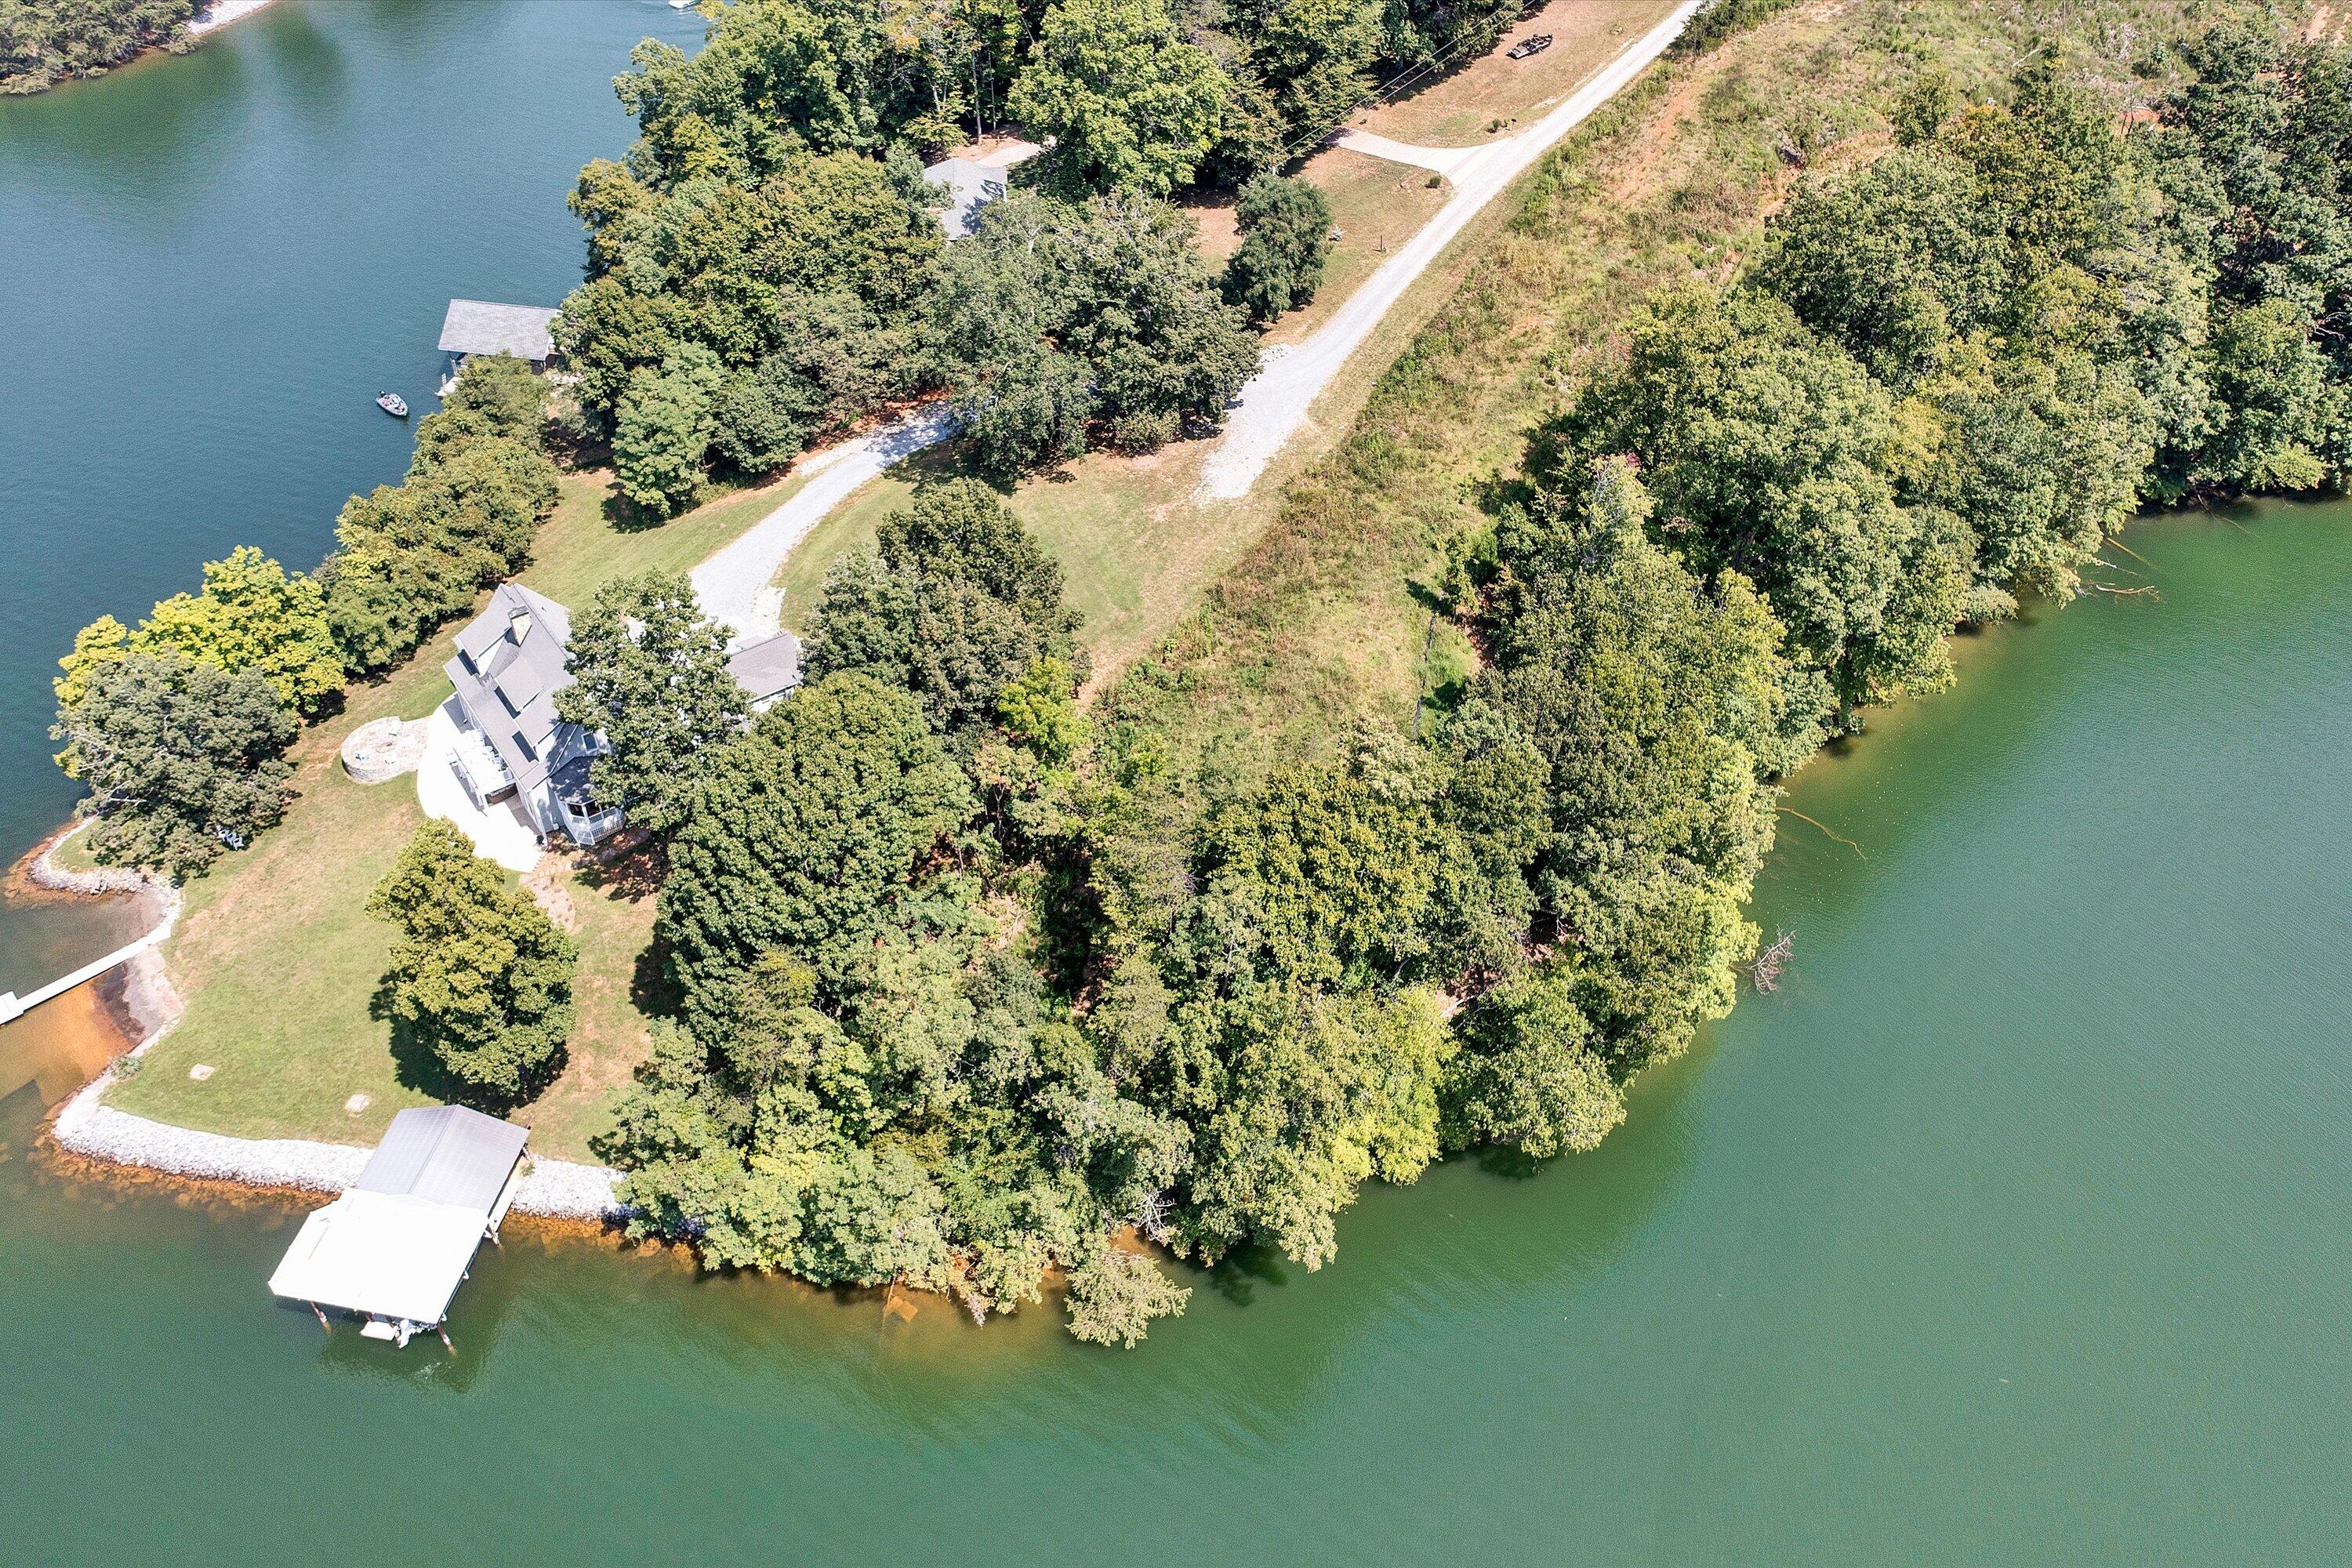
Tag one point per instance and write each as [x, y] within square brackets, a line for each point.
[394, 1247]
[472, 327]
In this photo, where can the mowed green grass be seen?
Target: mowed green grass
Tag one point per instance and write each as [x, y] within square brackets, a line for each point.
[1136, 551]
[591, 539]
[279, 964]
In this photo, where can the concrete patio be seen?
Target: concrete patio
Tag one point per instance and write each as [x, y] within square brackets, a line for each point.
[498, 831]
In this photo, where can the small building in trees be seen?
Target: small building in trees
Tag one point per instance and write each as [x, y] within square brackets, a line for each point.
[394, 1246]
[973, 178]
[512, 659]
[767, 670]
[482, 327]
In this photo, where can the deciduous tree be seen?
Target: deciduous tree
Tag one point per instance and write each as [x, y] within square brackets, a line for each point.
[182, 760]
[1130, 105]
[479, 975]
[649, 673]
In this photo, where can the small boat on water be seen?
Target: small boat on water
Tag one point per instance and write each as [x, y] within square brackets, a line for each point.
[391, 402]
[683, 4]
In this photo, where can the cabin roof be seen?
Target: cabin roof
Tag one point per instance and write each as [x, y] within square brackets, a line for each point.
[767, 668]
[482, 327]
[507, 683]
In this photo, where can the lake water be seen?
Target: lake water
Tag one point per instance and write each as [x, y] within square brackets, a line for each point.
[209, 267]
[2015, 1227]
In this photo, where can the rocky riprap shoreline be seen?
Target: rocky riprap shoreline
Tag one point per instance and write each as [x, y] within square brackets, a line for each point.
[86, 1126]
[558, 1189]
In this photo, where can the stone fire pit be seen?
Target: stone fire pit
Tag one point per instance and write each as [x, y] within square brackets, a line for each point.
[384, 749]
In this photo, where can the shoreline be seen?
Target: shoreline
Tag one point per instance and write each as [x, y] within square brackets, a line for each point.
[84, 1127]
[88, 1130]
[212, 18]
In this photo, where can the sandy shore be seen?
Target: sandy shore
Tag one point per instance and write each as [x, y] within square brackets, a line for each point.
[220, 14]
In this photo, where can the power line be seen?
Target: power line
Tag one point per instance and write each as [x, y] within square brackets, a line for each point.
[1460, 41]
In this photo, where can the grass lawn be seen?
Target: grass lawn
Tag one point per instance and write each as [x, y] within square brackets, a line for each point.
[591, 539]
[1322, 621]
[1376, 206]
[1135, 552]
[73, 855]
[1495, 95]
[278, 961]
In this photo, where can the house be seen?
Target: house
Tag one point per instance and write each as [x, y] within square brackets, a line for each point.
[480, 327]
[511, 747]
[395, 1245]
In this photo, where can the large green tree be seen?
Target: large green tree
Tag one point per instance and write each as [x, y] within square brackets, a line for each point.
[182, 760]
[1286, 229]
[252, 615]
[649, 673]
[479, 976]
[1765, 449]
[1130, 104]
[1315, 57]
[954, 602]
[1057, 323]
[1661, 705]
[742, 310]
[806, 832]
[664, 428]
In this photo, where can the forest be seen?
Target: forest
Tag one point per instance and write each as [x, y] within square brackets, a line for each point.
[976, 986]
[43, 42]
[1012, 990]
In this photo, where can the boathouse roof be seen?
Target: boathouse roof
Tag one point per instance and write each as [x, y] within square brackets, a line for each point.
[482, 327]
[445, 1154]
[397, 1245]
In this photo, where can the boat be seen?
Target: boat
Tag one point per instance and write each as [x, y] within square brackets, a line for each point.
[683, 4]
[391, 402]
[1527, 46]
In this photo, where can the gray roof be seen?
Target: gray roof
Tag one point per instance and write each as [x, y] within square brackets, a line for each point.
[768, 668]
[970, 186]
[479, 327]
[509, 684]
[445, 1154]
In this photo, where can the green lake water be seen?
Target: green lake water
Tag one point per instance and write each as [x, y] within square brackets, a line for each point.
[209, 267]
[2016, 1226]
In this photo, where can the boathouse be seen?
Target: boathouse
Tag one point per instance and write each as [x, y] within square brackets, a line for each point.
[482, 327]
[395, 1245]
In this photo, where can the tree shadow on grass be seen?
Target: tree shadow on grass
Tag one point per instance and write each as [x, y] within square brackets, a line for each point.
[416, 1064]
[653, 990]
[628, 867]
